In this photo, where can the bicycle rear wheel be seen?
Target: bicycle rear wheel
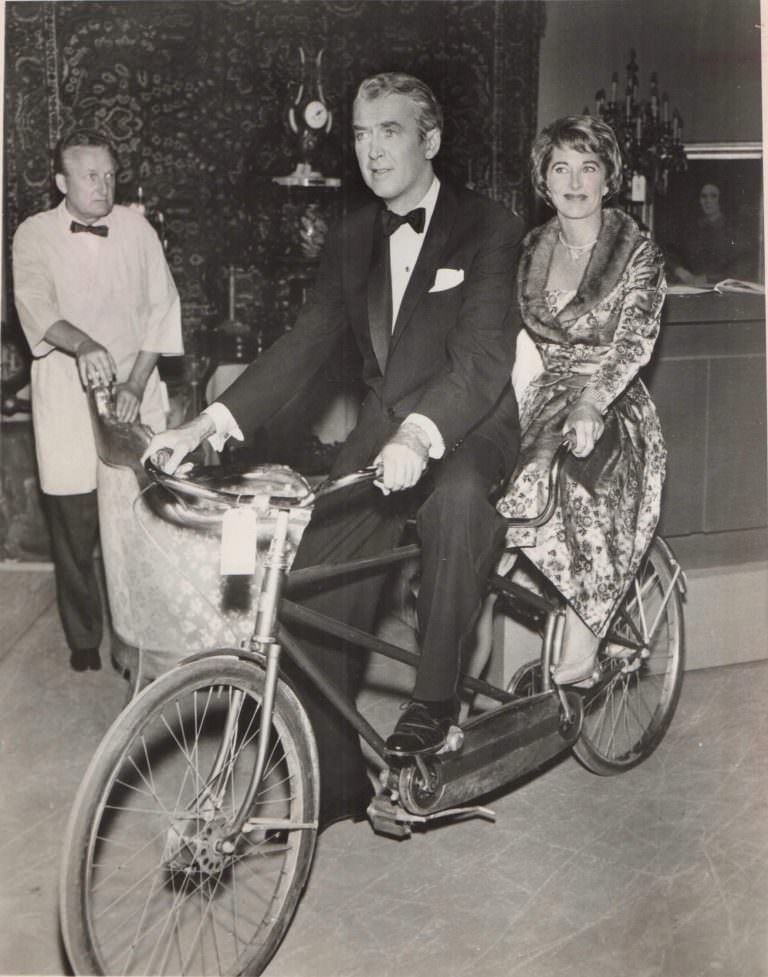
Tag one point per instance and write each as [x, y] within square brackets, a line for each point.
[641, 671]
[146, 887]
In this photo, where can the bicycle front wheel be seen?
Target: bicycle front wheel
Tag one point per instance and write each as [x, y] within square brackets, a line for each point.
[641, 665]
[152, 883]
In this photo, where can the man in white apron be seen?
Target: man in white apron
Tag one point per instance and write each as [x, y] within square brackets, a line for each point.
[97, 303]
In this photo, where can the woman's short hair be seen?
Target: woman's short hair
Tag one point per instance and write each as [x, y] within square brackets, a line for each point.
[583, 133]
[429, 113]
[80, 137]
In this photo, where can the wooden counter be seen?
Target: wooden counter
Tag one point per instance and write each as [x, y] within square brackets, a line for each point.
[708, 381]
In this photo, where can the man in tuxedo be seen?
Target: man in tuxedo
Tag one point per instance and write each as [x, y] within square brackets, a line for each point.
[421, 280]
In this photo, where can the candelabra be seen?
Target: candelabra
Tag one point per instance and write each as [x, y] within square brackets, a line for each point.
[650, 137]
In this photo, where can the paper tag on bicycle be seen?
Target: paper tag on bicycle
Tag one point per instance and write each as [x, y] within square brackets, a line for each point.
[238, 541]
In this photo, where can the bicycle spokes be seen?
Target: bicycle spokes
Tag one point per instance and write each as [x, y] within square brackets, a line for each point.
[164, 887]
[641, 660]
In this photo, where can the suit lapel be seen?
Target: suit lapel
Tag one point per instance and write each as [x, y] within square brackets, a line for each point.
[356, 260]
[380, 296]
[429, 260]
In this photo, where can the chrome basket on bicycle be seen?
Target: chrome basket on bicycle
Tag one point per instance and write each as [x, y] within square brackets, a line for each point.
[161, 550]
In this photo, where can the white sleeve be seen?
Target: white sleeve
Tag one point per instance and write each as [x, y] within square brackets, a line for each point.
[436, 443]
[527, 364]
[226, 425]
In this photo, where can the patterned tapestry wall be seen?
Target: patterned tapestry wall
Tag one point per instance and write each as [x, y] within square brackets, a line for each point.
[195, 97]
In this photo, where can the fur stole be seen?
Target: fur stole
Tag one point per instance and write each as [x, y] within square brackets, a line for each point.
[618, 240]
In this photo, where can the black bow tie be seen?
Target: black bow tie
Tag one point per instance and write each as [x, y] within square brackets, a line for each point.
[391, 221]
[101, 229]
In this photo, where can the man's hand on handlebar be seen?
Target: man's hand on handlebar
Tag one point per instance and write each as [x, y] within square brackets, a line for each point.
[169, 448]
[584, 426]
[402, 460]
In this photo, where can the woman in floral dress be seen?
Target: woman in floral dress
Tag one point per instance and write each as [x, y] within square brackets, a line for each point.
[591, 288]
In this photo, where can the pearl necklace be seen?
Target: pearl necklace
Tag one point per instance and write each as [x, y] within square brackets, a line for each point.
[575, 251]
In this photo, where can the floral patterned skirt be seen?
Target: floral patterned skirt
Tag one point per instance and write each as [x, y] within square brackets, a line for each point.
[609, 502]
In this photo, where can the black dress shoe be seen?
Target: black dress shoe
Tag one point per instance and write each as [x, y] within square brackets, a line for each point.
[83, 659]
[421, 729]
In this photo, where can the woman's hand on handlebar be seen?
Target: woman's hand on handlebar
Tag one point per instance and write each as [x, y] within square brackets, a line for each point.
[584, 426]
[169, 448]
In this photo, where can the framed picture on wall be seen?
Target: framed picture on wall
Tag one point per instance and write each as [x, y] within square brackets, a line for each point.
[710, 221]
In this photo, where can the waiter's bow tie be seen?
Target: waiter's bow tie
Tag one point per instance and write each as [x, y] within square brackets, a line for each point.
[391, 221]
[101, 229]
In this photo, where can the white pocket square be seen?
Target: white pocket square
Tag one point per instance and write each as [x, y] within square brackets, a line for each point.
[446, 278]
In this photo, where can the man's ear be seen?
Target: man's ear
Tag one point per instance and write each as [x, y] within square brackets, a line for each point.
[61, 183]
[432, 143]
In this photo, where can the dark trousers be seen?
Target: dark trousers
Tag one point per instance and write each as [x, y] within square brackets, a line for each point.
[73, 521]
[460, 534]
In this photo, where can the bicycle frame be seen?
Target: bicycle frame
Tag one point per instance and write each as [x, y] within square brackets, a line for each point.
[192, 834]
[272, 637]
[276, 612]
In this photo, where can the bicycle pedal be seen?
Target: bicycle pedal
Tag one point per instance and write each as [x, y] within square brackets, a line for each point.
[384, 815]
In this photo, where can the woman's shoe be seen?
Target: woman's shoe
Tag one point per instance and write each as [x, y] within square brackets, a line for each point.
[578, 656]
[580, 673]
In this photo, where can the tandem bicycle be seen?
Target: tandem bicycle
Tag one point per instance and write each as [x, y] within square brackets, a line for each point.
[192, 834]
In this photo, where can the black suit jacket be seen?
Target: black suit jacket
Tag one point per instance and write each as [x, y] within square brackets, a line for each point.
[451, 350]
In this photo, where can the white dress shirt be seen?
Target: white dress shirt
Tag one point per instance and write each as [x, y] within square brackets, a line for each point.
[119, 291]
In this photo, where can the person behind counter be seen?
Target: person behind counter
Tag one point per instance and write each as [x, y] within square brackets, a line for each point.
[591, 288]
[97, 302]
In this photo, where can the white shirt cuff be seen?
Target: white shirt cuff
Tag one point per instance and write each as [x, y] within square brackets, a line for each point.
[436, 443]
[226, 425]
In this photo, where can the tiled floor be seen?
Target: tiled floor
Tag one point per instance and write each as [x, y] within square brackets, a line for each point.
[662, 872]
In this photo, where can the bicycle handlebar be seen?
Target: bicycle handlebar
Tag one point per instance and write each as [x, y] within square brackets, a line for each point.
[533, 522]
[358, 477]
[186, 486]
[226, 498]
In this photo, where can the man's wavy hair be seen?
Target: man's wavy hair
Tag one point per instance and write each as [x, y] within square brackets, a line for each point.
[429, 113]
[80, 137]
[584, 134]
